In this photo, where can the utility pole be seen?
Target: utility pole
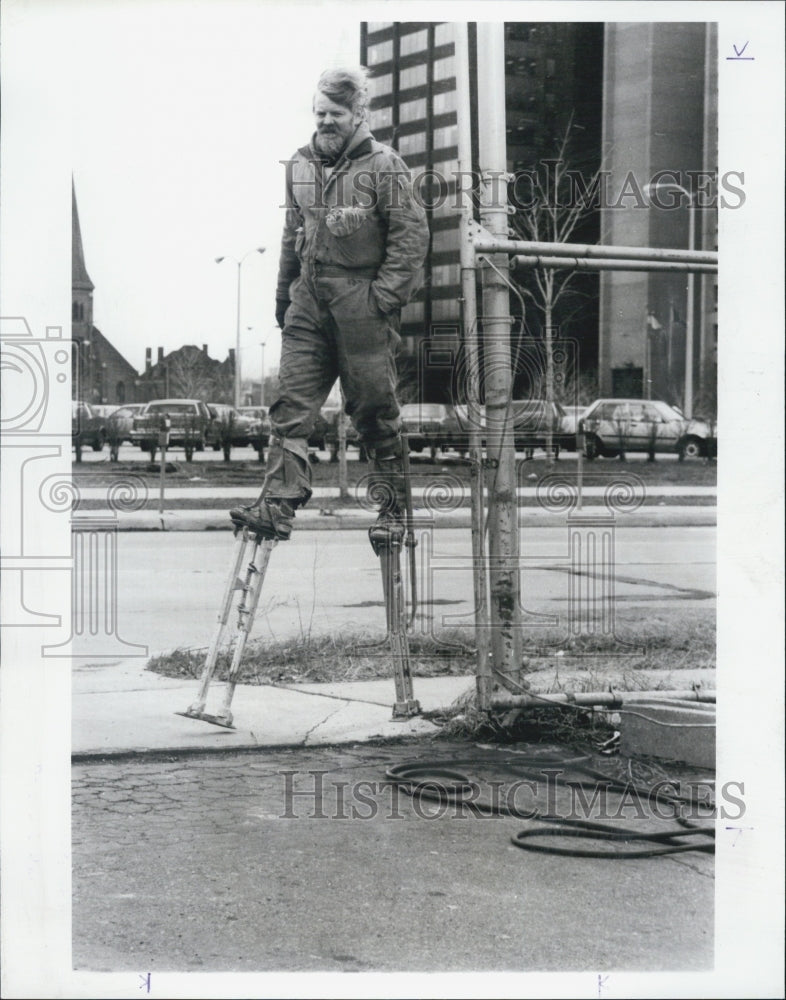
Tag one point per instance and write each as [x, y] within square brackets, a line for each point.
[501, 459]
[469, 315]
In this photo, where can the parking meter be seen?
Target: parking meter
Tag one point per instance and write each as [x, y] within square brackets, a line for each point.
[164, 425]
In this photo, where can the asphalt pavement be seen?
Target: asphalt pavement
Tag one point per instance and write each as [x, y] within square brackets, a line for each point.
[312, 860]
[281, 844]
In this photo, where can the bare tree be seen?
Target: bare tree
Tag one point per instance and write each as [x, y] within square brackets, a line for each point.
[188, 376]
[560, 200]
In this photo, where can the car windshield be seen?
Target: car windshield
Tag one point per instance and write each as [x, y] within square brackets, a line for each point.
[426, 411]
[171, 408]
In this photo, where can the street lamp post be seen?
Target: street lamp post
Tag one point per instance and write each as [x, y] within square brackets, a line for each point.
[688, 400]
[237, 322]
[262, 376]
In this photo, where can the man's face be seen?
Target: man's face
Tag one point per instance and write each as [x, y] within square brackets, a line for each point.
[335, 124]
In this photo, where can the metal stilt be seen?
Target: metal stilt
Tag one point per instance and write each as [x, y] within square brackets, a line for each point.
[395, 607]
[250, 587]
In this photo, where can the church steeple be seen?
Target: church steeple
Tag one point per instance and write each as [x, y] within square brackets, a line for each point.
[81, 285]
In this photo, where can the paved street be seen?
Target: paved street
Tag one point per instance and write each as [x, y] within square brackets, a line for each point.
[169, 584]
[189, 863]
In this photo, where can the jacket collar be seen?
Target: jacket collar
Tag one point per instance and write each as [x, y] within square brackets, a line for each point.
[358, 144]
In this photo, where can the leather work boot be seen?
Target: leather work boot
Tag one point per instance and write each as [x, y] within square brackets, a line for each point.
[269, 518]
[388, 490]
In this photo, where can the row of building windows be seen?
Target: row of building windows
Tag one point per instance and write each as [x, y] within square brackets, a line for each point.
[412, 76]
[443, 33]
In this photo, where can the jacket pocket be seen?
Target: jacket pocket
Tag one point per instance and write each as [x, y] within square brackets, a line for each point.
[345, 221]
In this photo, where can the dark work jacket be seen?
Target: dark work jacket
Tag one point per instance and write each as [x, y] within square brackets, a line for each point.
[360, 213]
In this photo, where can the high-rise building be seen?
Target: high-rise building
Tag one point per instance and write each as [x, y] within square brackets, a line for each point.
[553, 77]
[660, 116]
[640, 99]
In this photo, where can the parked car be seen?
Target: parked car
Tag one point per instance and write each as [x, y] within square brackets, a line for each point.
[318, 439]
[330, 415]
[120, 423]
[426, 426]
[87, 428]
[530, 419]
[569, 430]
[190, 421]
[536, 424]
[260, 430]
[229, 426]
[612, 426]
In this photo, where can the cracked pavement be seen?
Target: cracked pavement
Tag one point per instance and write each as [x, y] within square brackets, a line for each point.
[233, 862]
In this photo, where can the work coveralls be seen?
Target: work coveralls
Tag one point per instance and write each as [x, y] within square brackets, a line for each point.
[354, 242]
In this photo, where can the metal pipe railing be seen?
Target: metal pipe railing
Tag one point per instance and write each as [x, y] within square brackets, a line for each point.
[592, 251]
[609, 699]
[609, 264]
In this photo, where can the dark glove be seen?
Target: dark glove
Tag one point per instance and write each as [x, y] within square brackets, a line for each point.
[281, 308]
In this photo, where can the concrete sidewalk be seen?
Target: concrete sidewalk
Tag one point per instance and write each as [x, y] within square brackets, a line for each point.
[316, 519]
[121, 708]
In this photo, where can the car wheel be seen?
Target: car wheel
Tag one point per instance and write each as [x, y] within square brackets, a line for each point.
[152, 448]
[591, 447]
[189, 450]
[114, 451]
[200, 445]
[216, 446]
[78, 450]
[432, 453]
[691, 447]
[333, 452]
[99, 442]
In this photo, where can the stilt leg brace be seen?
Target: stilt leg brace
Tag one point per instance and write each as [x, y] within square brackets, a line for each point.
[250, 588]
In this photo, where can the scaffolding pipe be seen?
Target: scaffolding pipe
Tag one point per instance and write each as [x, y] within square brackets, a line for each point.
[609, 699]
[469, 314]
[611, 264]
[505, 608]
[592, 251]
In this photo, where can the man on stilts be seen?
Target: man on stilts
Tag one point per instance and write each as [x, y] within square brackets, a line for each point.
[354, 242]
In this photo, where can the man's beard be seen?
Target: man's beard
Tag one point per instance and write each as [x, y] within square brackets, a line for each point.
[330, 143]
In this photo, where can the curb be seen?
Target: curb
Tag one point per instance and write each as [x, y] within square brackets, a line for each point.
[342, 520]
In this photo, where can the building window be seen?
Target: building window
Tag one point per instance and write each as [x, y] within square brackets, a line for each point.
[445, 274]
[374, 26]
[445, 68]
[444, 309]
[444, 239]
[410, 111]
[443, 33]
[415, 42]
[413, 143]
[120, 392]
[74, 311]
[447, 136]
[381, 117]
[415, 312]
[378, 85]
[444, 102]
[380, 52]
[413, 76]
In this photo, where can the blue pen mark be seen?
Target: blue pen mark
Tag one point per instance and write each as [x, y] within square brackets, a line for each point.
[145, 983]
[738, 56]
[601, 983]
[739, 830]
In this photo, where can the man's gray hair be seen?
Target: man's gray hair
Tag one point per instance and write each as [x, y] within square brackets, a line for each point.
[347, 87]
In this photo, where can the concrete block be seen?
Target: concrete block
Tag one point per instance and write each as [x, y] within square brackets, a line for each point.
[672, 730]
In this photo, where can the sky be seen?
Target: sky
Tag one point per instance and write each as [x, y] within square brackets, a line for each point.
[181, 113]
